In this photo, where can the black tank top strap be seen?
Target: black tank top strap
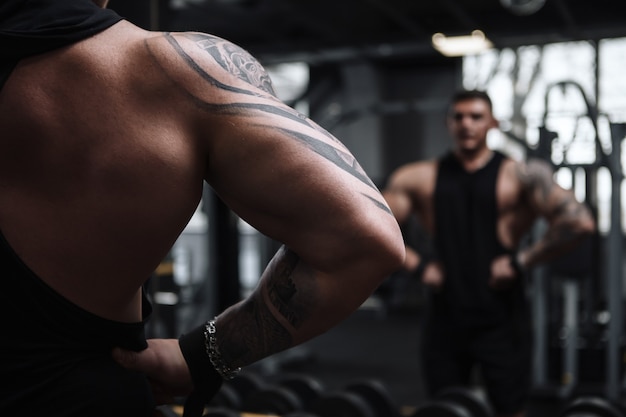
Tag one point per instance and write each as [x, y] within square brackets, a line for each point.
[32, 27]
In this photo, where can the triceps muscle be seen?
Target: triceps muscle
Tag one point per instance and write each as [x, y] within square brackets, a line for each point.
[239, 63]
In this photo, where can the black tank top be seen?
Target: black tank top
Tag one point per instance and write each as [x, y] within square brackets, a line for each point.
[466, 242]
[31, 27]
[56, 357]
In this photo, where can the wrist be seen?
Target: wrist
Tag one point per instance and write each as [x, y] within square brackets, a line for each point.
[516, 263]
[425, 259]
[206, 379]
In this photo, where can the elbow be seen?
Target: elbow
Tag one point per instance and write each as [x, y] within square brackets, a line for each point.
[366, 251]
[389, 251]
[586, 225]
[396, 251]
[383, 251]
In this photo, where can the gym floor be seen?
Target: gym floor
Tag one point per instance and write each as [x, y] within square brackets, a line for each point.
[380, 341]
[374, 343]
[371, 344]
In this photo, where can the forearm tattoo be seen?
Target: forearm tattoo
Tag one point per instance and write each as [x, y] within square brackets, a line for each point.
[254, 335]
[281, 287]
[261, 333]
[240, 63]
[564, 213]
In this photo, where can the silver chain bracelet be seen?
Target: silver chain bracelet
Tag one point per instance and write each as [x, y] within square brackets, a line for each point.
[210, 343]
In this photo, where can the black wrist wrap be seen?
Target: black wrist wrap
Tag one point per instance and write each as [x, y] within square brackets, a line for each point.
[206, 380]
[517, 267]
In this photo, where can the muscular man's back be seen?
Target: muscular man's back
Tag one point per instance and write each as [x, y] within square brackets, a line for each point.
[97, 171]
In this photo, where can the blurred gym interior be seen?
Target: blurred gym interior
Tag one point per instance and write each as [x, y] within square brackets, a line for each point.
[369, 73]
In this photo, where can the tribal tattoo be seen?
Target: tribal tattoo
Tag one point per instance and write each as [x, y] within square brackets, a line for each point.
[237, 61]
[537, 178]
[563, 209]
[261, 333]
[281, 287]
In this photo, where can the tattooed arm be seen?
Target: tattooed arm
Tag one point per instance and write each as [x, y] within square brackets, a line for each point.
[291, 180]
[568, 220]
[315, 198]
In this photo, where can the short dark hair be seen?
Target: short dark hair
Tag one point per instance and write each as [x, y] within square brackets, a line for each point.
[463, 95]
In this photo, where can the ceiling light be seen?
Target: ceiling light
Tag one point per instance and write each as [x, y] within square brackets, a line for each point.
[471, 44]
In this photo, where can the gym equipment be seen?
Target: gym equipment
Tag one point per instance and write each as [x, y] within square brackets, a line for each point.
[288, 394]
[591, 406]
[342, 404]
[227, 397]
[467, 398]
[441, 409]
[583, 335]
[272, 400]
[455, 402]
[307, 388]
[376, 395]
[365, 398]
[221, 412]
[235, 391]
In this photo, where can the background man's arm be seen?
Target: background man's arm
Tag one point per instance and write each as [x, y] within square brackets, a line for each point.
[568, 220]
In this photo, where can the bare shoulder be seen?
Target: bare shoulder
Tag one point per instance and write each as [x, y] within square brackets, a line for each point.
[419, 168]
[534, 176]
[534, 170]
[204, 60]
[415, 176]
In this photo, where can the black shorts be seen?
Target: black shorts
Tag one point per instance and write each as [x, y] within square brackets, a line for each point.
[502, 354]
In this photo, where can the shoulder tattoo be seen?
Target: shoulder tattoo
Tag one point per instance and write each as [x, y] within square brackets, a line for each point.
[237, 61]
[230, 57]
[536, 177]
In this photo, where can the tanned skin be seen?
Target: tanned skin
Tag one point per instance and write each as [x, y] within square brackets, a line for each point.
[106, 145]
[525, 192]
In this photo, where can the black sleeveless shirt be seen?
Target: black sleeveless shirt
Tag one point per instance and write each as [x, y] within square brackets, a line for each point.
[56, 357]
[466, 243]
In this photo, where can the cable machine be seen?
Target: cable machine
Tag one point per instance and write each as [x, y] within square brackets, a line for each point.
[594, 317]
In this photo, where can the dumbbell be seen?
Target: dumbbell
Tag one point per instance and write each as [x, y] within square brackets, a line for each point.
[234, 392]
[591, 406]
[289, 394]
[455, 402]
[366, 398]
[221, 412]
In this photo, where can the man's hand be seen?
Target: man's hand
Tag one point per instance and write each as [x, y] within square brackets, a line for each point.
[503, 275]
[433, 275]
[164, 365]
[412, 259]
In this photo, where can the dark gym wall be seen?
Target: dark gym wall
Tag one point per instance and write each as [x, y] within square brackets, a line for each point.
[147, 14]
[387, 115]
[381, 141]
[135, 11]
[419, 133]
